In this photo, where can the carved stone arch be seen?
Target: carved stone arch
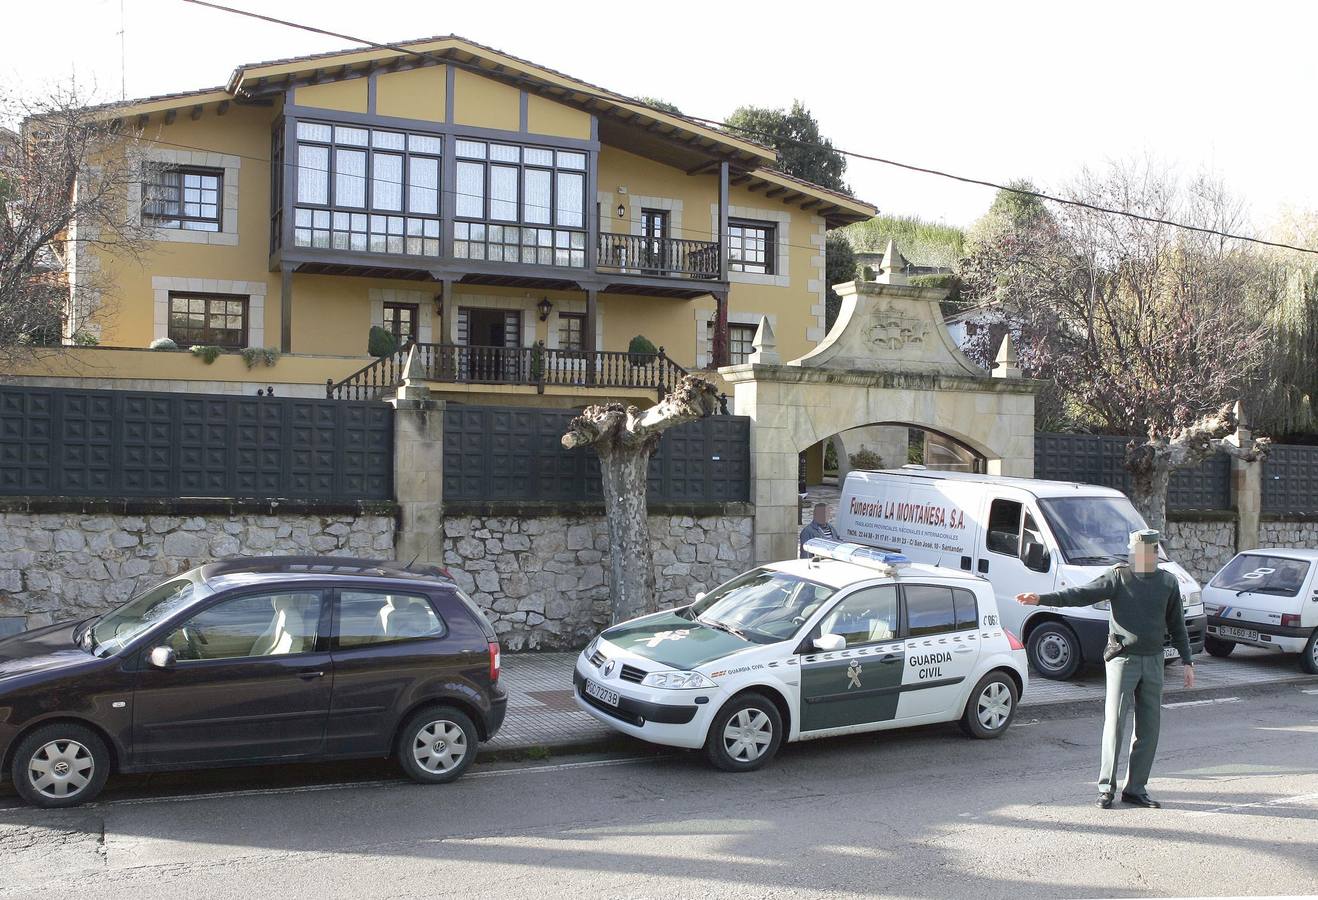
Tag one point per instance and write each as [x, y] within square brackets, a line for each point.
[889, 359]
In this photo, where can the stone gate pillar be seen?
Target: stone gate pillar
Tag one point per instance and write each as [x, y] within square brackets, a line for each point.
[419, 474]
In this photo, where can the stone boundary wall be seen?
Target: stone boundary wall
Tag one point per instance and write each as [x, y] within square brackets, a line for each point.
[543, 580]
[1201, 546]
[68, 563]
[1203, 543]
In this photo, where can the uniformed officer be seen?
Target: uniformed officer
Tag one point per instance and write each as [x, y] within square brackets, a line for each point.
[1146, 607]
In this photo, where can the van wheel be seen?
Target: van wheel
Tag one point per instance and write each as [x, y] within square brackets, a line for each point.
[745, 734]
[1309, 658]
[437, 745]
[1218, 647]
[60, 765]
[991, 707]
[1054, 651]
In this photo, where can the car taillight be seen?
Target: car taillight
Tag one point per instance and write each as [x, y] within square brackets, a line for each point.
[494, 661]
[1290, 620]
[1013, 641]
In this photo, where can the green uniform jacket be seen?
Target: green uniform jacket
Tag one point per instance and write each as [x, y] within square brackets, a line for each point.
[1145, 608]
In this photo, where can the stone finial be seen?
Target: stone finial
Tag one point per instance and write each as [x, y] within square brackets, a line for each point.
[893, 270]
[410, 386]
[1008, 363]
[765, 345]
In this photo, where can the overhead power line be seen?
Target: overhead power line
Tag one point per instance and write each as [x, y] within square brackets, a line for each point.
[718, 123]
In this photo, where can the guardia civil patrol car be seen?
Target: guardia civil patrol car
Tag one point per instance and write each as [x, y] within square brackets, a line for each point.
[849, 640]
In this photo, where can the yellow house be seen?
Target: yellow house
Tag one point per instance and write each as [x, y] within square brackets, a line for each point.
[517, 227]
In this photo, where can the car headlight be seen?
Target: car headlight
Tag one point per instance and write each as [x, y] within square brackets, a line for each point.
[1191, 598]
[592, 647]
[677, 680]
[1103, 604]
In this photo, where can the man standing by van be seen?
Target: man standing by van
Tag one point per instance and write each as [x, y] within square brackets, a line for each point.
[817, 527]
[1145, 607]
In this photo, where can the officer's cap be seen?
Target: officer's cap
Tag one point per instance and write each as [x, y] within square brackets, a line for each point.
[1144, 536]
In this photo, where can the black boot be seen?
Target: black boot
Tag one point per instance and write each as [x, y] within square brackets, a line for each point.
[1105, 800]
[1143, 800]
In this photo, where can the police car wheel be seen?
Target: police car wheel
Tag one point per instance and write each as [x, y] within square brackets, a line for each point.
[991, 707]
[1309, 658]
[1218, 647]
[745, 734]
[1054, 651]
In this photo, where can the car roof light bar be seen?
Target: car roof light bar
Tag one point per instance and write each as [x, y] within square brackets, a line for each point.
[822, 548]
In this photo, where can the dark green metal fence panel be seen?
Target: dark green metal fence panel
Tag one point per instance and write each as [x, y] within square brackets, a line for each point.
[501, 453]
[1099, 459]
[1290, 479]
[87, 443]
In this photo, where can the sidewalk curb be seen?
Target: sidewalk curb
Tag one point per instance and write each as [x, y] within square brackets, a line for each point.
[1047, 709]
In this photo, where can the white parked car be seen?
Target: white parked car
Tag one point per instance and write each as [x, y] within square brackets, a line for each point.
[846, 641]
[1266, 598]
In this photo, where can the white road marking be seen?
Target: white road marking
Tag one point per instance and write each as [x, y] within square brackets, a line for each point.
[1309, 691]
[349, 785]
[1279, 801]
[1185, 703]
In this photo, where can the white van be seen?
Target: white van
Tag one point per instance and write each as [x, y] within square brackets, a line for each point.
[1266, 598]
[1022, 535]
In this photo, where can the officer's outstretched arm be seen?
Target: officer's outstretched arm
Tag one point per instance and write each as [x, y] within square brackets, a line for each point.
[1101, 588]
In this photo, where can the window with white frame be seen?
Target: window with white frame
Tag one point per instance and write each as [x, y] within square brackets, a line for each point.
[373, 190]
[519, 203]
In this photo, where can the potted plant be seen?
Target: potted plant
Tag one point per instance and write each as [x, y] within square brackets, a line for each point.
[641, 350]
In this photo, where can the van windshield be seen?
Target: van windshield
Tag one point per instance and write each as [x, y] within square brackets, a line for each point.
[1093, 531]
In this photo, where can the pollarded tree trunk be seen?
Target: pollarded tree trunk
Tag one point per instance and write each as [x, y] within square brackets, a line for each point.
[1152, 462]
[624, 438]
[631, 569]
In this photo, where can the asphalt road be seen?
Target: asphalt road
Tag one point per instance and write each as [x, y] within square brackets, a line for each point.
[926, 813]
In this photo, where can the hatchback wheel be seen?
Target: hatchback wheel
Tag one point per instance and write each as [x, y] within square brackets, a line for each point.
[437, 745]
[60, 765]
[1309, 656]
[745, 734]
[991, 707]
[1054, 650]
[1218, 647]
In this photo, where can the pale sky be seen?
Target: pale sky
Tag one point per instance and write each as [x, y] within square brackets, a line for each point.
[995, 90]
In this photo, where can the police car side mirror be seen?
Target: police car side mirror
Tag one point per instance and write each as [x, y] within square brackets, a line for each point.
[1036, 557]
[700, 595]
[828, 643]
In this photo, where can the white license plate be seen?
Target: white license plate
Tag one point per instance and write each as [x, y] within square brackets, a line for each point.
[1170, 652]
[603, 694]
[1244, 634]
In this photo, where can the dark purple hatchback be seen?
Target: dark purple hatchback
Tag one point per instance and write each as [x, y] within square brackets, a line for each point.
[256, 660]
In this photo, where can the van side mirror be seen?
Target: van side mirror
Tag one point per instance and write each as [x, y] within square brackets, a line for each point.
[1036, 557]
[828, 643]
[162, 658]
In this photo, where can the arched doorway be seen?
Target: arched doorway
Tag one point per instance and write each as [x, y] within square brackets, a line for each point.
[888, 359]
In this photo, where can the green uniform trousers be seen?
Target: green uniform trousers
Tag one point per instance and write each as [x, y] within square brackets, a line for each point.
[1131, 681]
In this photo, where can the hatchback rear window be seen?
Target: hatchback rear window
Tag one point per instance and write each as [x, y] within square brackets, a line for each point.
[1260, 574]
[380, 617]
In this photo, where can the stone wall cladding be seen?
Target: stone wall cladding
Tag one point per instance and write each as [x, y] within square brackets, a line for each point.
[1201, 546]
[1276, 533]
[543, 581]
[57, 566]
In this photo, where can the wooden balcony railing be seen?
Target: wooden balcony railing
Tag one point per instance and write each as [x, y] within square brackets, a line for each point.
[537, 366]
[667, 257]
